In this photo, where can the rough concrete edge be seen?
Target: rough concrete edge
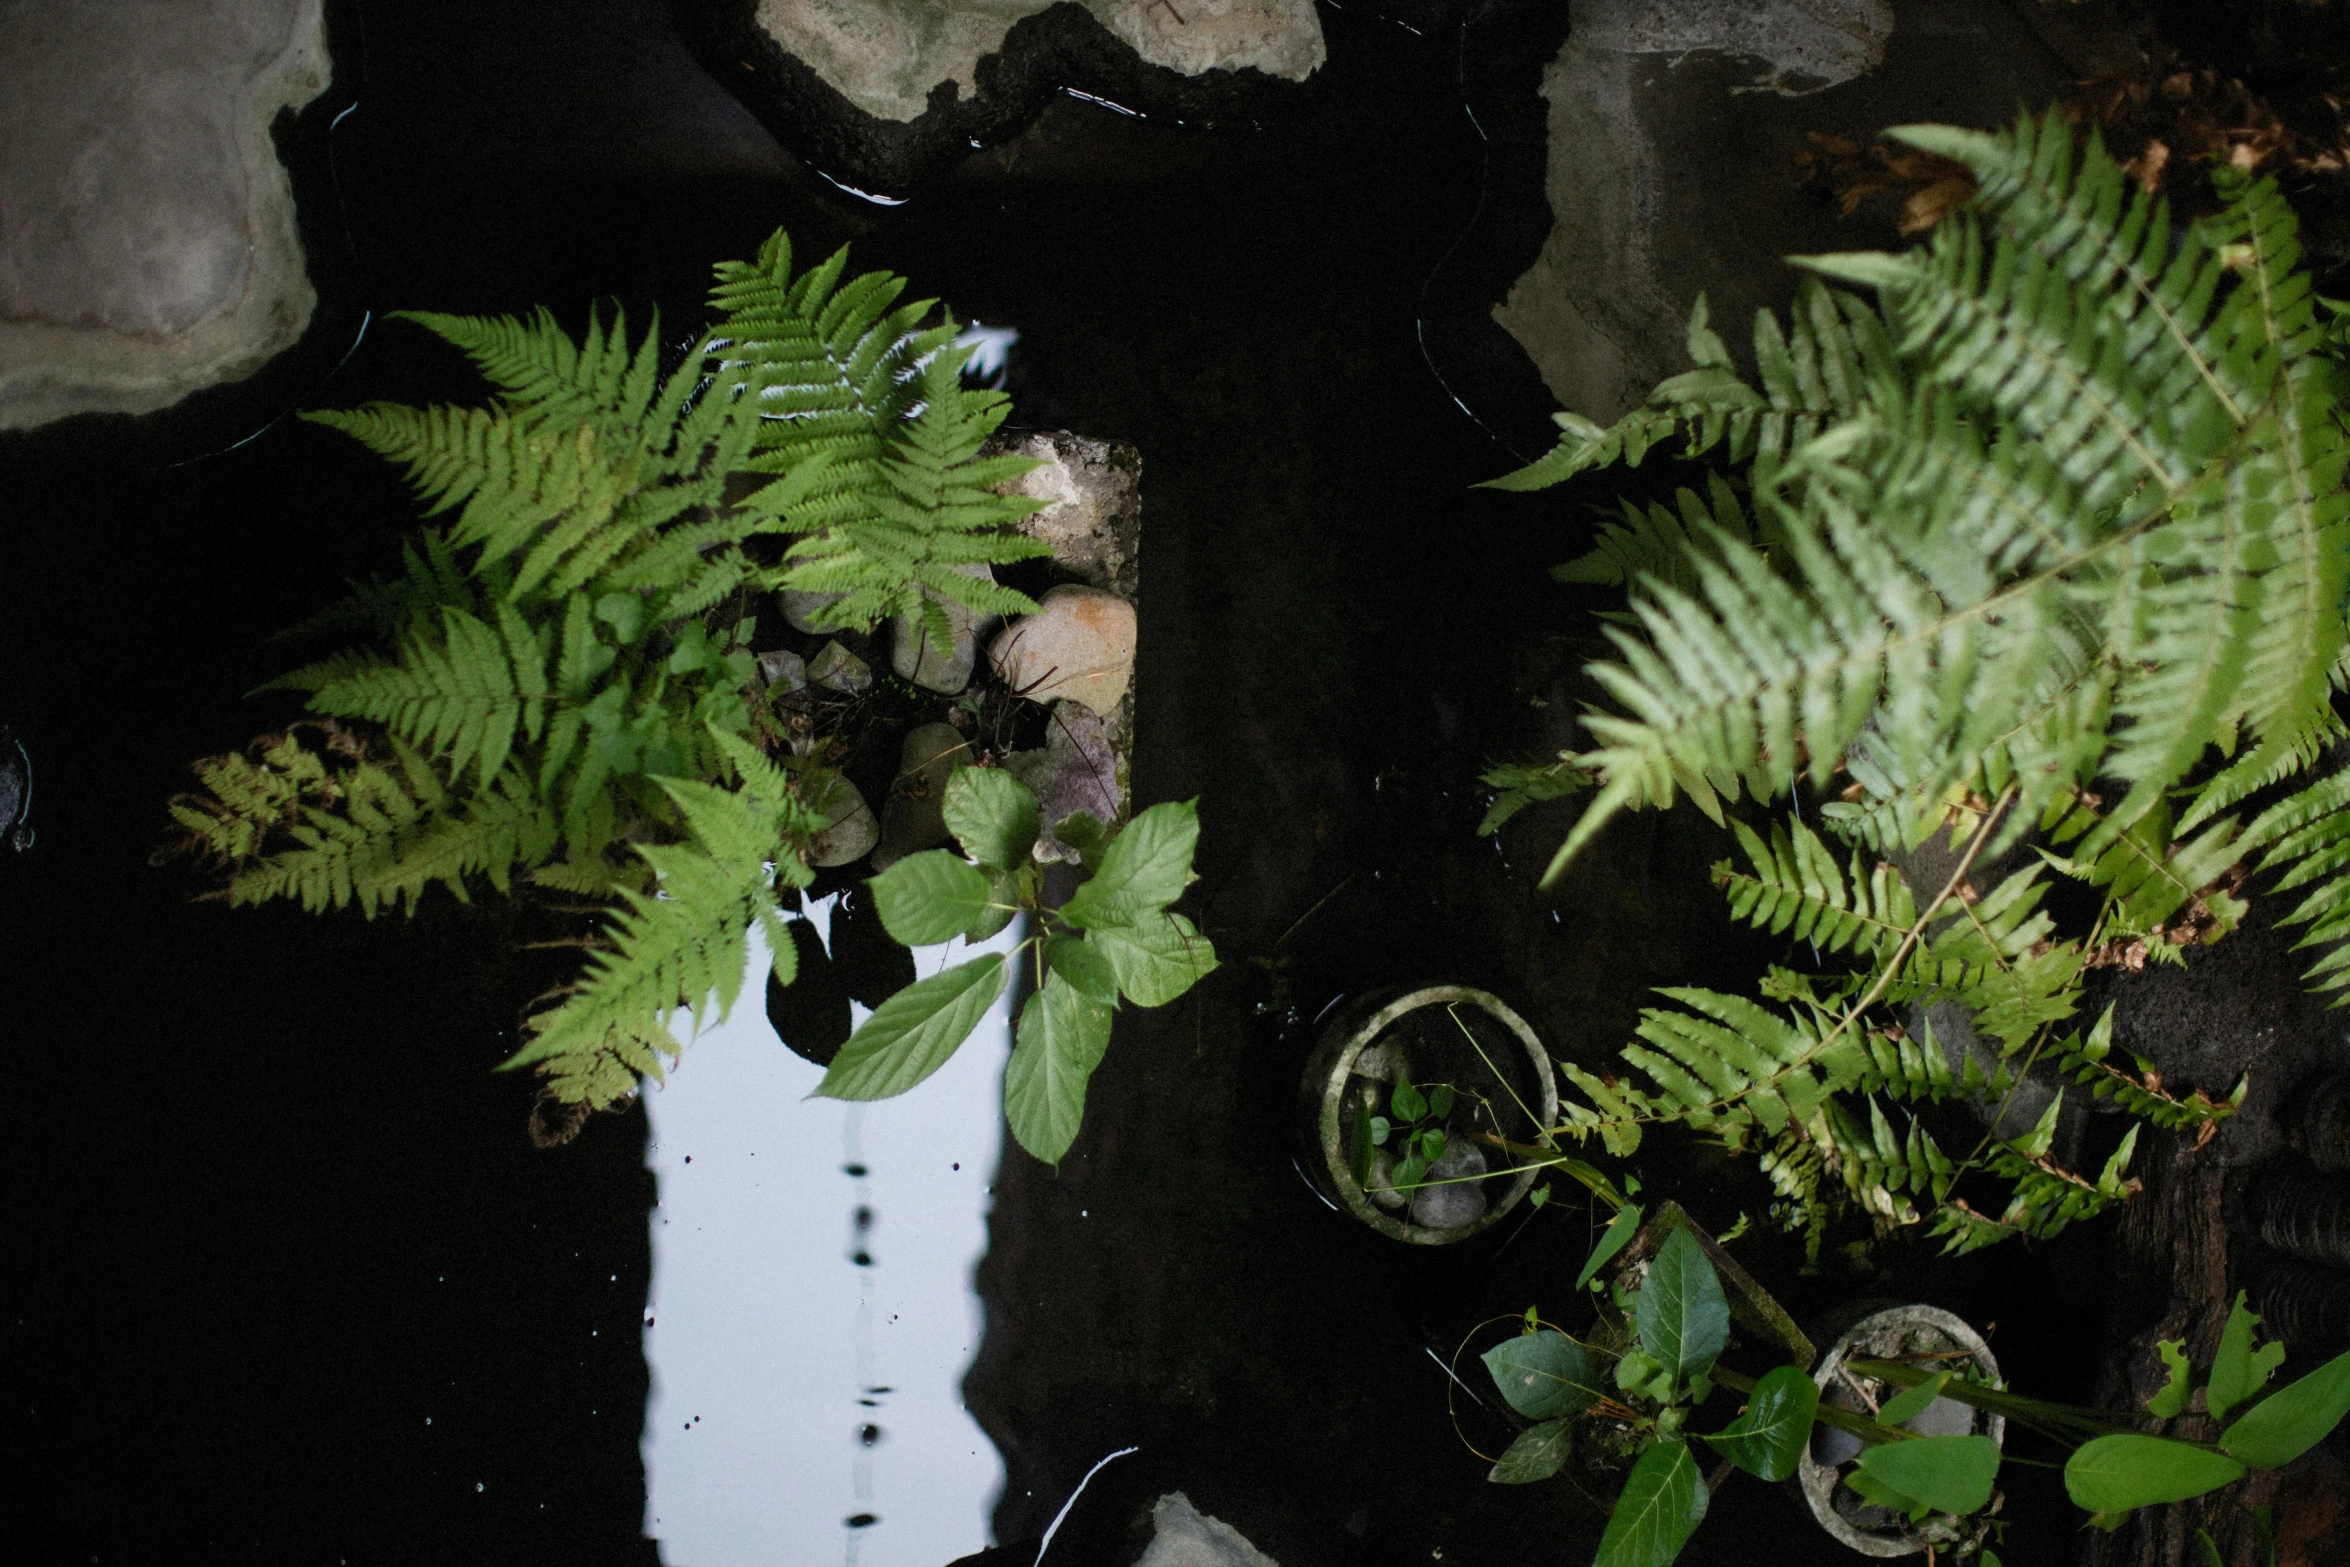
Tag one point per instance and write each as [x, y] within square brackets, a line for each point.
[120, 374]
[1061, 48]
[1123, 576]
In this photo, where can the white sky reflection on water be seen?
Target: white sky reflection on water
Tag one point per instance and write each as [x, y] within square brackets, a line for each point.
[767, 1334]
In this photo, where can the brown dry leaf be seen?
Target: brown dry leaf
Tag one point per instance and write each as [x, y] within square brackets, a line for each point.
[1852, 171]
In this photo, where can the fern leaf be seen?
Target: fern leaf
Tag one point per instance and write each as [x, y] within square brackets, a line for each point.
[1829, 365]
[1797, 889]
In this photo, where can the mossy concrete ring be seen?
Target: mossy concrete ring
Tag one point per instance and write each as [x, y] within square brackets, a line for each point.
[1901, 1331]
[1504, 1092]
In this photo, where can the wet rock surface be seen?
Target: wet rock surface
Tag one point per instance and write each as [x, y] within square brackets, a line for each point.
[150, 247]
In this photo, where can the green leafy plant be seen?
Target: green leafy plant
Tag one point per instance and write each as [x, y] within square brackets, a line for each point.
[1115, 939]
[558, 692]
[1667, 1348]
[2048, 542]
[1412, 1132]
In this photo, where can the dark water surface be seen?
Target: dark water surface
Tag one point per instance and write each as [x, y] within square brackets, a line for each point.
[296, 1287]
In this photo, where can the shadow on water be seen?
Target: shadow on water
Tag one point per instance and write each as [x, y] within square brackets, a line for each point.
[306, 1291]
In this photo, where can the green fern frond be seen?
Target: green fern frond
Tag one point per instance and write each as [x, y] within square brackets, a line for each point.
[2086, 1059]
[1797, 889]
[2306, 839]
[1828, 365]
[890, 546]
[685, 944]
[2158, 413]
[1656, 543]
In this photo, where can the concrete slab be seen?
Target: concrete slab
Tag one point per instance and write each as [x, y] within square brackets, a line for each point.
[147, 237]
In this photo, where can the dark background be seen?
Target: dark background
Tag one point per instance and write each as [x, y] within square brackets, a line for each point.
[295, 1287]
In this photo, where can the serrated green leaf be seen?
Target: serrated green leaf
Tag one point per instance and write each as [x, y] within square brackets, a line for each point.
[1683, 1319]
[1536, 1454]
[1156, 959]
[1145, 868]
[931, 897]
[1662, 1503]
[1768, 1439]
[1407, 1101]
[2293, 1419]
[914, 1032]
[1062, 1037]
[1545, 1375]
[1951, 1474]
[993, 815]
[2112, 1474]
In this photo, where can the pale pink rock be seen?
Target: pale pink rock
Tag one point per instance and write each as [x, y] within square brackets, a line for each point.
[1078, 647]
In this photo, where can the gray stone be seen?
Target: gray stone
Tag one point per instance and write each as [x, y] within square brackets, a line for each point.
[1092, 516]
[806, 611]
[835, 668]
[1078, 647]
[148, 247]
[1074, 770]
[1183, 1536]
[853, 832]
[784, 668]
[916, 654]
[914, 817]
[885, 56]
[1455, 1206]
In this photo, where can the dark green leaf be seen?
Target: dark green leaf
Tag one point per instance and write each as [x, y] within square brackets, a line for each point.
[623, 612]
[1683, 1319]
[1950, 1474]
[912, 1034]
[1407, 1101]
[1359, 1141]
[930, 897]
[1432, 1146]
[1911, 1404]
[993, 815]
[1440, 1100]
[1614, 1238]
[2238, 1371]
[2113, 1474]
[1145, 868]
[1157, 958]
[1873, 1490]
[1081, 963]
[1544, 1374]
[1662, 1504]
[1061, 1039]
[1084, 832]
[1535, 1455]
[2293, 1419]
[1003, 902]
[1408, 1173]
[1768, 1439]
